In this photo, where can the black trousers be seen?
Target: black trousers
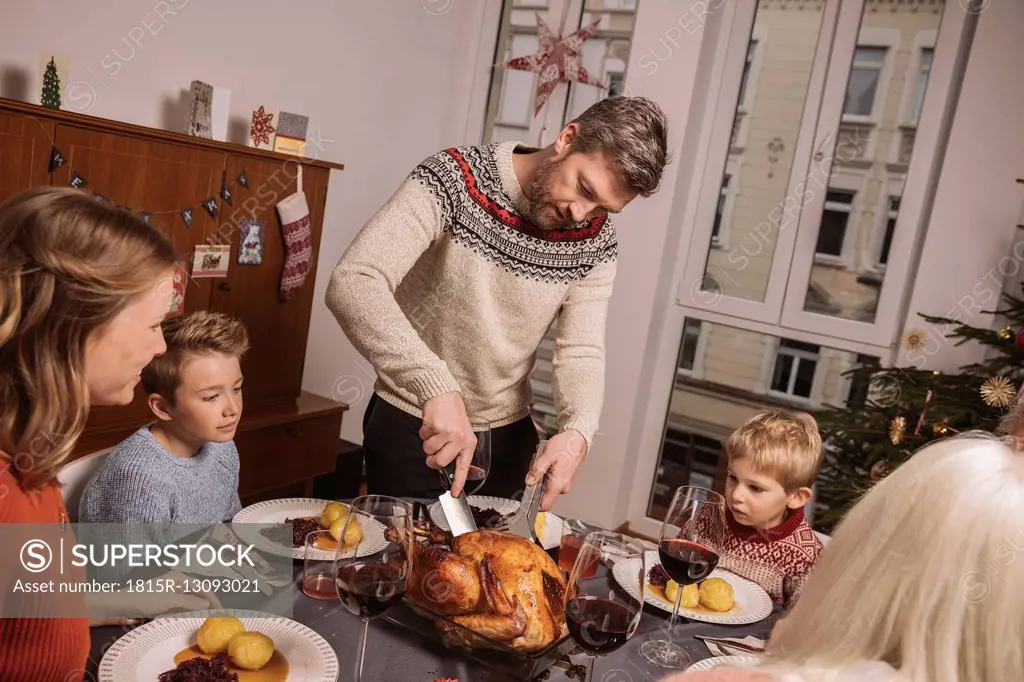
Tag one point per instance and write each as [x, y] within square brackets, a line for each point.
[396, 464]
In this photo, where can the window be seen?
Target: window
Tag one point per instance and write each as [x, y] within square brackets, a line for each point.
[688, 349]
[744, 105]
[864, 78]
[862, 389]
[616, 81]
[834, 222]
[686, 459]
[720, 210]
[890, 228]
[795, 364]
[922, 83]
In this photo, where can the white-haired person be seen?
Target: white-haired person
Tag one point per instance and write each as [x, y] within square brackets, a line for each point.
[917, 584]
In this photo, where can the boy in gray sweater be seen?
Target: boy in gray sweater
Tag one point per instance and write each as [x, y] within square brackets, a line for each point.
[183, 467]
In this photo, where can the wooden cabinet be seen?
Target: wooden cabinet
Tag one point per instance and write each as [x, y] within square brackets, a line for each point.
[286, 437]
[25, 152]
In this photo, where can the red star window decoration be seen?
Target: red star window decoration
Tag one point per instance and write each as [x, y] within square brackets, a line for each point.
[556, 61]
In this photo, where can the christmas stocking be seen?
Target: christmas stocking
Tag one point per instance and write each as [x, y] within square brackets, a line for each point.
[298, 248]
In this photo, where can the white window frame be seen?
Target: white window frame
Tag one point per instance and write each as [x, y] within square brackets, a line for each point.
[892, 188]
[714, 146]
[620, 74]
[732, 169]
[758, 38]
[726, 34]
[768, 369]
[923, 40]
[880, 39]
[854, 183]
[697, 371]
[876, 337]
[838, 207]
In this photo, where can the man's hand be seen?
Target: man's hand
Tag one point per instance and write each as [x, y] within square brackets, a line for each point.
[447, 435]
[560, 462]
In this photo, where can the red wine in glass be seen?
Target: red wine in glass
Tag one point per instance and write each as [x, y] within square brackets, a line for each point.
[599, 625]
[687, 562]
[368, 590]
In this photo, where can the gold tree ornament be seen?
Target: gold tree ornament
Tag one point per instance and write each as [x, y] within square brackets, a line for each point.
[1006, 334]
[997, 392]
[913, 340]
[897, 428]
[880, 469]
[941, 428]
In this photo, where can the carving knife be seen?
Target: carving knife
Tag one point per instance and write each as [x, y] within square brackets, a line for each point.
[457, 511]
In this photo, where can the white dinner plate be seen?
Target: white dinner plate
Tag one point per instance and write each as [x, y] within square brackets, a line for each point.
[718, 661]
[276, 511]
[752, 602]
[550, 525]
[149, 650]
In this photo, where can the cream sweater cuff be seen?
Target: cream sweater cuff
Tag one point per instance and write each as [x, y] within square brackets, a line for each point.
[431, 383]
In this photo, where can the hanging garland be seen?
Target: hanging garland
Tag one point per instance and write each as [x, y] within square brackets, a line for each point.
[187, 213]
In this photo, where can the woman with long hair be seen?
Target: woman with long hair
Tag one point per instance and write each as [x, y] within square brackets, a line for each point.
[84, 288]
[917, 584]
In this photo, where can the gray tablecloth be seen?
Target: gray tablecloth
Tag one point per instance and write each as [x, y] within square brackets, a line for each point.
[395, 653]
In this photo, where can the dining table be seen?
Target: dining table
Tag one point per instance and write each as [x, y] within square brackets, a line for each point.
[395, 652]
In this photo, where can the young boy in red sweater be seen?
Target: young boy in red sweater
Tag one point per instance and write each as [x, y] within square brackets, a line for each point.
[773, 460]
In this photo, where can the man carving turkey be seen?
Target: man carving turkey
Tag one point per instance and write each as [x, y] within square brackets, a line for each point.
[450, 287]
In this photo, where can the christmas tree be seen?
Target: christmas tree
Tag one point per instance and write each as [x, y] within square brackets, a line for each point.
[51, 86]
[894, 411]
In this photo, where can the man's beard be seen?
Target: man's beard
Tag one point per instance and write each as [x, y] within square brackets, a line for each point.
[538, 196]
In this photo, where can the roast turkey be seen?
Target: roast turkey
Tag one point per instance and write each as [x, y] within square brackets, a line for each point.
[495, 584]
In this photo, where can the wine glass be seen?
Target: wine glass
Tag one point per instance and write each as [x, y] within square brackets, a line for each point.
[480, 466]
[370, 584]
[691, 539]
[601, 618]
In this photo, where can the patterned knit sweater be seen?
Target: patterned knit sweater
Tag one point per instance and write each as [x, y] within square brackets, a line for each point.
[779, 559]
[449, 287]
[141, 482]
[37, 647]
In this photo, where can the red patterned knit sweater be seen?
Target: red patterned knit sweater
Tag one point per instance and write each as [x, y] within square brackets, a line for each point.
[779, 559]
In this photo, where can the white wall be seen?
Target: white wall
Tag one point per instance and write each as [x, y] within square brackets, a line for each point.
[968, 247]
[384, 84]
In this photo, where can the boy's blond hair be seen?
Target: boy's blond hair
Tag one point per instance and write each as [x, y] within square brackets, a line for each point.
[199, 333]
[783, 443]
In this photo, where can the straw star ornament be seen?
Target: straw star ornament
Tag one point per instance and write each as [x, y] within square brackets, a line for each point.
[556, 61]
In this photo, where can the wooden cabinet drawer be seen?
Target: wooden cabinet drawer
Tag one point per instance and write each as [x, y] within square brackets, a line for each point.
[276, 456]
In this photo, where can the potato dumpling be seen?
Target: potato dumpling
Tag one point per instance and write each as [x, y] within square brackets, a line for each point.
[690, 599]
[353, 533]
[716, 594]
[250, 650]
[331, 513]
[216, 632]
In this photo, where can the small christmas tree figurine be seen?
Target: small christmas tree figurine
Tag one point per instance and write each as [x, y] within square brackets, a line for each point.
[51, 86]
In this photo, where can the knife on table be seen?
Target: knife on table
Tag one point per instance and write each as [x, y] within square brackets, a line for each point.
[456, 509]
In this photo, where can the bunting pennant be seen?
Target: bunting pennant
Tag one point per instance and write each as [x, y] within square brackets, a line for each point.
[211, 206]
[56, 159]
